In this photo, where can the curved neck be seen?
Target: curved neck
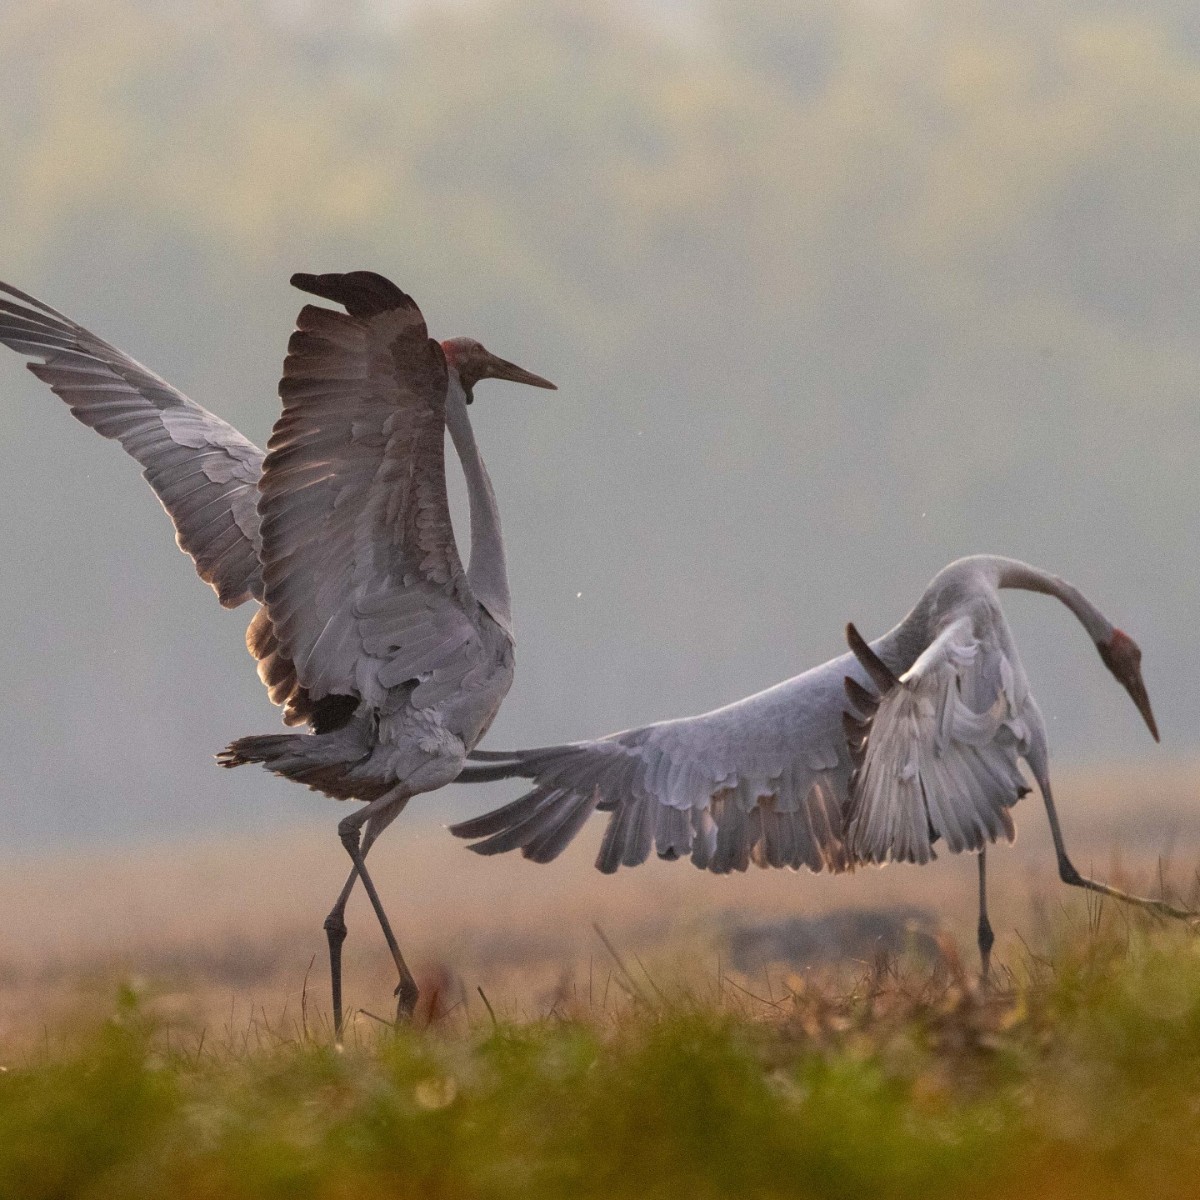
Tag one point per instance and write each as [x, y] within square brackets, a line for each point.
[952, 585]
[486, 572]
[1009, 573]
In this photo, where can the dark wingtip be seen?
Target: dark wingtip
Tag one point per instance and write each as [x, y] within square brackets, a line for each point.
[859, 696]
[1142, 701]
[362, 293]
[229, 757]
[880, 673]
[499, 820]
[474, 828]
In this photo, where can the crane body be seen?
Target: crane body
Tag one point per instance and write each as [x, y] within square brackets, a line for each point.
[874, 756]
[370, 631]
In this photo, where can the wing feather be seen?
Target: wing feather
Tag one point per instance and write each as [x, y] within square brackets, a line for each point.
[199, 466]
[939, 759]
[727, 788]
[363, 581]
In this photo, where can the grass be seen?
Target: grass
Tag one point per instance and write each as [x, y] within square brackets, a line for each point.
[1078, 1076]
[236, 922]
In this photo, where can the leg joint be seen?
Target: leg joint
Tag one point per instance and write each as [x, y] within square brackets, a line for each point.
[407, 995]
[1067, 872]
[348, 831]
[987, 938]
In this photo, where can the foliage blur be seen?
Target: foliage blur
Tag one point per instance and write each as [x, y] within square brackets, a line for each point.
[835, 290]
[1078, 1080]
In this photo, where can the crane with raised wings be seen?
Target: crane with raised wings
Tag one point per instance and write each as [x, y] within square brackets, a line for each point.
[370, 630]
[872, 757]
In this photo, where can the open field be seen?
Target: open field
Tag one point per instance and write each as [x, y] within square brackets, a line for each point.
[1079, 1078]
[764, 1035]
[225, 933]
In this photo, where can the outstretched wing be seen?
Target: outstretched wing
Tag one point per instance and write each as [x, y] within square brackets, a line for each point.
[936, 755]
[762, 780]
[364, 587]
[203, 470]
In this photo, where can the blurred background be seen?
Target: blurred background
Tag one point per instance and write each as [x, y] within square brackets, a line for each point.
[834, 290]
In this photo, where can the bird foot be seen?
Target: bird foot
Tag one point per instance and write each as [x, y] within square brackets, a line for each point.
[1068, 874]
[407, 994]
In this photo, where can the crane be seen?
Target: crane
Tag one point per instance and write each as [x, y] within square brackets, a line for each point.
[369, 629]
[871, 757]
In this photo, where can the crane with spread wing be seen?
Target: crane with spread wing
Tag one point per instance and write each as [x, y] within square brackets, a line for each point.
[370, 631]
[939, 715]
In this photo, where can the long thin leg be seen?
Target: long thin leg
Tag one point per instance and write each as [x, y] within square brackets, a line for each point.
[335, 923]
[349, 831]
[1068, 874]
[985, 934]
[335, 933]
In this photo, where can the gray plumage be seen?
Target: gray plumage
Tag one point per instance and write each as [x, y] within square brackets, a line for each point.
[370, 629]
[364, 590]
[202, 470]
[361, 579]
[875, 756]
[937, 755]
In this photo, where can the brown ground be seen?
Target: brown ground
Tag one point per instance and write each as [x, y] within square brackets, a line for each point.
[227, 931]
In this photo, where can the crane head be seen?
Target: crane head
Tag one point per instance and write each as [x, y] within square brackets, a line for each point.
[473, 363]
[1123, 657]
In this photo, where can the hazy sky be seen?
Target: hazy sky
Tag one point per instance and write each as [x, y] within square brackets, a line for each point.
[834, 294]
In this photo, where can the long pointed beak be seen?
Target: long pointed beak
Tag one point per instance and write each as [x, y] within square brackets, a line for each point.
[510, 371]
[1137, 693]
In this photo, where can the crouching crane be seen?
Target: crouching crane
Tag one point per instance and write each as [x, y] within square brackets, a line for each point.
[369, 631]
[872, 757]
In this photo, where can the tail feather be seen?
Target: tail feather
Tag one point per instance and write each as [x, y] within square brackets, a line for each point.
[324, 763]
[266, 748]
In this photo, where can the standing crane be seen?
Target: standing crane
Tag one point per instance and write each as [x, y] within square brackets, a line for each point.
[369, 631]
[941, 713]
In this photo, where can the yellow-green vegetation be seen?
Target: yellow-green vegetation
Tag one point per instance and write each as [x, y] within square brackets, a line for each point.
[1079, 1076]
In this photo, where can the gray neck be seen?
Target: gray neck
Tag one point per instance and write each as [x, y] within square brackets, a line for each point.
[486, 572]
[1009, 573]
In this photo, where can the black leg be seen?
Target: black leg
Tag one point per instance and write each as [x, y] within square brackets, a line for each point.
[349, 830]
[985, 934]
[335, 932]
[1068, 874]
